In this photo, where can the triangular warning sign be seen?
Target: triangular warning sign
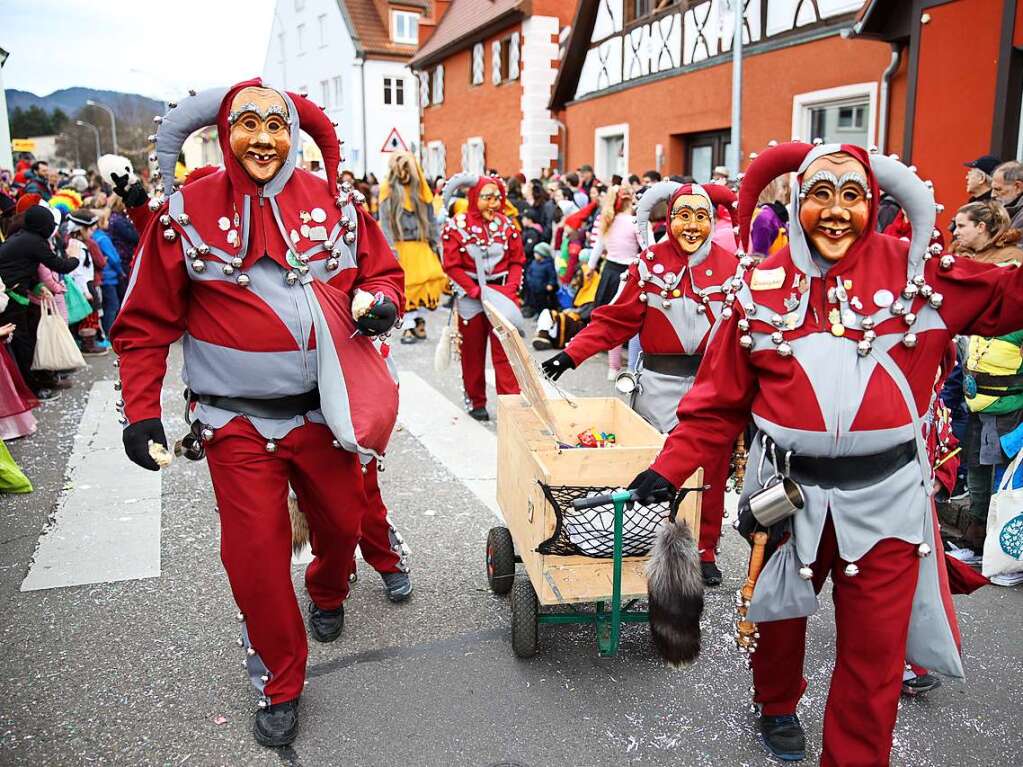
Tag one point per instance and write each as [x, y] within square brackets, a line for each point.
[394, 142]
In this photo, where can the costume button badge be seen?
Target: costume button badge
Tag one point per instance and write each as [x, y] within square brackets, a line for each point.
[767, 279]
[224, 223]
[319, 215]
[658, 268]
[883, 298]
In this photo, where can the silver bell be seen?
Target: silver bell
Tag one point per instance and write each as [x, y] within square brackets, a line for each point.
[240, 641]
[165, 220]
[726, 313]
[271, 447]
[852, 570]
[863, 348]
[245, 662]
[199, 266]
[746, 341]
[203, 248]
[897, 308]
[926, 291]
[153, 204]
[784, 349]
[642, 298]
[743, 325]
[184, 220]
[350, 238]
[243, 280]
[923, 550]
[700, 308]
[910, 318]
[250, 651]
[207, 435]
[936, 300]
[806, 572]
[236, 262]
[909, 340]
[867, 323]
[666, 304]
[191, 252]
[777, 337]
[264, 678]
[228, 270]
[910, 291]
[332, 264]
[947, 262]
[170, 235]
[291, 278]
[240, 616]
[262, 703]
[335, 444]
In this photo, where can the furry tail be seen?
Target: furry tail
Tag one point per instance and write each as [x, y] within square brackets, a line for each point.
[675, 588]
[299, 525]
[442, 354]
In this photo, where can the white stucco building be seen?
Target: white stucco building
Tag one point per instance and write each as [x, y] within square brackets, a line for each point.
[350, 57]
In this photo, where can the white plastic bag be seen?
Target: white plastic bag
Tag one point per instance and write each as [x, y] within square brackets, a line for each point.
[56, 349]
[1003, 547]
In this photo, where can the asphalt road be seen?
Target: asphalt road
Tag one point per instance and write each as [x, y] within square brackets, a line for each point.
[147, 672]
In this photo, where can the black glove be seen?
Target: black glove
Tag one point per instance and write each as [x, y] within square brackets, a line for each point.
[379, 319]
[554, 367]
[133, 195]
[136, 439]
[747, 524]
[651, 486]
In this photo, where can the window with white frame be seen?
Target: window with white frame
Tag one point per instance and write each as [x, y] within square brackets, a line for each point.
[405, 27]
[321, 21]
[478, 65]
[436, 161]
[300, 34]
[845, 114]
[611, 150]
[394, 91]
[325, 93]
[437, 89]
[474, 156]
[338, 91]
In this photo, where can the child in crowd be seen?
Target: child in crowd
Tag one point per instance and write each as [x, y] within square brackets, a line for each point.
[541, 282]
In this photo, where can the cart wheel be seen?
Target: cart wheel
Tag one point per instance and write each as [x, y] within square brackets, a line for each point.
[525, 610]
[500, 560]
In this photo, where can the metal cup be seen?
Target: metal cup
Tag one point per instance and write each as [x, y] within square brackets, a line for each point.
[776, 502]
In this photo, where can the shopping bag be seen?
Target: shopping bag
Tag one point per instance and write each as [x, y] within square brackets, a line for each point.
[56, 349]
[78, 307]
[12, 479]
[1003, 547]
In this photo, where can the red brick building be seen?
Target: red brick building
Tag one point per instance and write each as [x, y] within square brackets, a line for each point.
[646, 84]
[486, 68]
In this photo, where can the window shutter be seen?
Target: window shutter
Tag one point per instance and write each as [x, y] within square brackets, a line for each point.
[481, 157]
[478, 64]
[466, 158]
[438, 84]
[495, 62]
[442, 163]
[513, 57]
[424, 88]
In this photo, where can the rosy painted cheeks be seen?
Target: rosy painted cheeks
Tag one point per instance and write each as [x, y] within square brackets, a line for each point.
[690, 227]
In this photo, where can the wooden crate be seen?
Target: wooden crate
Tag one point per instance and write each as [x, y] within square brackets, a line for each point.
[528, 453]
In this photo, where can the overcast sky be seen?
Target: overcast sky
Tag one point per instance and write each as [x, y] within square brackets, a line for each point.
[173, 45]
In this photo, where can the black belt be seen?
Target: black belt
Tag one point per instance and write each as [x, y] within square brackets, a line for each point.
[853, 472]
[497, 280]
[678, 365]
[278, 407]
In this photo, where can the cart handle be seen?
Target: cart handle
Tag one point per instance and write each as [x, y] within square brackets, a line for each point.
[630, 496]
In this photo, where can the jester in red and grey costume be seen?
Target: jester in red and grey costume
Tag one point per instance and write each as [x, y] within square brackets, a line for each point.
[833, 348]
[673, 298]
[483, 256]
[255, 268]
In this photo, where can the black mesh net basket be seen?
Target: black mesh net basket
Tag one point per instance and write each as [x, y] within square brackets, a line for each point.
[591, 532]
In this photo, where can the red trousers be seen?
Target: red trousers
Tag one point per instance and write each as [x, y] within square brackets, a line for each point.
[475, 333]
[381, 545]
[872, 621]
[251, 486]
[712, 507]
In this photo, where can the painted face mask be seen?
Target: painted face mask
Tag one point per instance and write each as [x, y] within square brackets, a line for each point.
[260, 135]
[834, 204]
[489, 201]
[690, 222]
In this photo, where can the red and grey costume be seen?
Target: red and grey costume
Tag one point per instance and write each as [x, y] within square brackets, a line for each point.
[485, 260]
[257, 281]
[837, 367]
[673, 300]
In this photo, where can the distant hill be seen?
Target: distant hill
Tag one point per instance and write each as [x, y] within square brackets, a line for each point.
[73, 99]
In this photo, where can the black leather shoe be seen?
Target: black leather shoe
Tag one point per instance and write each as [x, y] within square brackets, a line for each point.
[276, 725]
[480, 414]
[918, 685]
[326, 625]
[783, 736]
[711, 574]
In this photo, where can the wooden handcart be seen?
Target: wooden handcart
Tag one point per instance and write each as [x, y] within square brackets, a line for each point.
[537, 463]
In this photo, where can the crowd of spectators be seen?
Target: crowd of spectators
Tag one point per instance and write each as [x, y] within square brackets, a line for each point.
[65, 250]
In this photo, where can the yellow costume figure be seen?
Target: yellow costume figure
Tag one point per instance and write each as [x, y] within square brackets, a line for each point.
[408, 222]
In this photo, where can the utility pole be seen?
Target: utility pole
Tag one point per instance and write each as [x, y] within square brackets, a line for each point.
[735, 150]
[113, 120]
[95, 130]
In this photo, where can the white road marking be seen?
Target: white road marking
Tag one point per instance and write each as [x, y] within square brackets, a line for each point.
[464, 447]
[107, 524]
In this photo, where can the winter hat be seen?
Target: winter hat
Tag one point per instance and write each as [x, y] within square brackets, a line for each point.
[543, 249]
[26, 201]
[39, 220]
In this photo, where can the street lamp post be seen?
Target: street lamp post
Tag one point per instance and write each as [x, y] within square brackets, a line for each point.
[95, 130]
[735, 151]
[113, 120]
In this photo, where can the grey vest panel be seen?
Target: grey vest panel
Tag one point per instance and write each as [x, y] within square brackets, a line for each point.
[221, 371]
[657, 397]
